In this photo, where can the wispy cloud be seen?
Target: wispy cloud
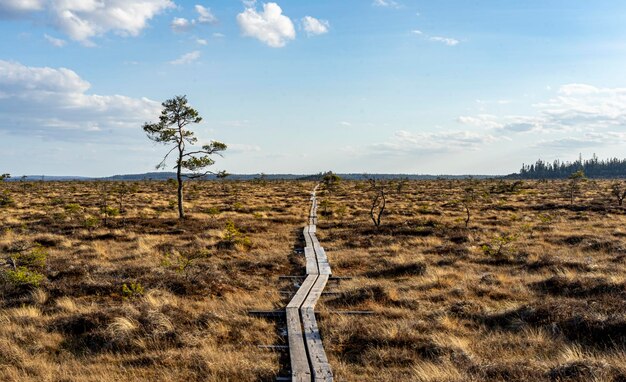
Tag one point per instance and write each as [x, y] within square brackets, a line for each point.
[386, 4]
[577, 116]
[575, 107]
[187, 58]
[587, 140]
[314, 27]
[181, 24]
[404, 142]
[205, 15]
[57, 42]
[444, 40]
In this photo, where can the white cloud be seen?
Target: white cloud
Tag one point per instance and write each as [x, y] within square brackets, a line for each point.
[57, 42]
[575, 108]
[270, 26]
[180, 24]
[205, 16]
[386, 4]
[15, 7]
[446, 40]
[314, 27]
[405, 142]
[187, 58]
[47, 101]
[345, 123]
[201, 41]
[81, 20]
[590, 139]
[218, 35]
[578, 116]
[586, 105]
[486, 121]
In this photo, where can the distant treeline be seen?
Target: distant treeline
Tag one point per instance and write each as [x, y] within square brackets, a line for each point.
[160, 176]
[593, 168]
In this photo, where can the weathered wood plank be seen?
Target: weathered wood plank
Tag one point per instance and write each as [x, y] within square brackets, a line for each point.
[307, 237]
[273, 347]
[302, 293]
[311, 267]
[267, 313]
[331, 278]
[324, 269]
[309, 253]
[315, 292]
[320, 253]
[320, 367]
[300, 369]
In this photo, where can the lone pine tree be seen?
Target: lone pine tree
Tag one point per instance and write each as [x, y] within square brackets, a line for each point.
[172, 129]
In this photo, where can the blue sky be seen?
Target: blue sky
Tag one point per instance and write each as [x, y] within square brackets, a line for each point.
[451, 87]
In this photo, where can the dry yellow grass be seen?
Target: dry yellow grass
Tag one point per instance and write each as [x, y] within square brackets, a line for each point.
[146, 297]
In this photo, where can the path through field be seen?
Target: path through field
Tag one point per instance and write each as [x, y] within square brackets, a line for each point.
[306, 351]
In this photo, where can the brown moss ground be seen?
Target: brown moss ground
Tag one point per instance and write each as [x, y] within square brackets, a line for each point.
[190, 320]
[548, 307]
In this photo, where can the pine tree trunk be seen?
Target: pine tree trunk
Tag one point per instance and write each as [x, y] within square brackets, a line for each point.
[179, 178]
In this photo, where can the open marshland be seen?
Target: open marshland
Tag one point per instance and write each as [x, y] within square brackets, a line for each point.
[102, 282]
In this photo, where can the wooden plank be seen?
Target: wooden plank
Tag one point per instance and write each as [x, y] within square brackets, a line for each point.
[322, 261]
[315, 292]
[273, 347]
[302, 293]
[300, 369]
[331, 278]
[307, 237]
[309, 253]
[311, 261]
[320, 367]
[320, 253]
[311, 267]
[324, 269]
[314, 241]
[353, 312]
[267, 313]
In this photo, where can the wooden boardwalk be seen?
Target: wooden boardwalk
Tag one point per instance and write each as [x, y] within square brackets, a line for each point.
[306, 351]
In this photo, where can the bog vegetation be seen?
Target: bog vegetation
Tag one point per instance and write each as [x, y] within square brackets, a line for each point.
[470, 280]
